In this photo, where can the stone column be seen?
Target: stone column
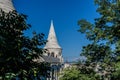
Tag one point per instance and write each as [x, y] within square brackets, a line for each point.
[50, 78]
[56, 75]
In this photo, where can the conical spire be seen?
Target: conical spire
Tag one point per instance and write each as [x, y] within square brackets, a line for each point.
[52, 39]
[52, 35]
[6, 5]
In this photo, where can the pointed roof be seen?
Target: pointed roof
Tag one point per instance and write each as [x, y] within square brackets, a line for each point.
[52, 39]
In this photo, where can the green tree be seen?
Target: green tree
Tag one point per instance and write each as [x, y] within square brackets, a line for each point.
[99, 60]
[78, 73]
[105, 31]
[17, 52]
[107, 26]
[70, 74]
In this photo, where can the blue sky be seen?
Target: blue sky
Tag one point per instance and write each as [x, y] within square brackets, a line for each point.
[65, 15]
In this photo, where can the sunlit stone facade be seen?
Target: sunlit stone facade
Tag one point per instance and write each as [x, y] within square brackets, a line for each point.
[6, 5]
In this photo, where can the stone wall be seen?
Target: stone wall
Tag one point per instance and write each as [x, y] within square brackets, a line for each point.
[6, 5]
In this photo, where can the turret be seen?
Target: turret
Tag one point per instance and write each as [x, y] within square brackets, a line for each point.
[52, 45]
[6, 5]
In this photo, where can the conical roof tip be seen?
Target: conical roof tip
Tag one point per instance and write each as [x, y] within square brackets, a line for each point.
[52, 39]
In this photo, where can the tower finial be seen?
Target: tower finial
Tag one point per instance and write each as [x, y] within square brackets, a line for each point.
[51, 23]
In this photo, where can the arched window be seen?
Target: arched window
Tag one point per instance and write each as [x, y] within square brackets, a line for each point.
[59, 53]
[52, 54]
[48, 54]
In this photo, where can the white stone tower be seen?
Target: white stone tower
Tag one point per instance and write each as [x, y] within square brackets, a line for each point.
[52, 45]
[6, 5]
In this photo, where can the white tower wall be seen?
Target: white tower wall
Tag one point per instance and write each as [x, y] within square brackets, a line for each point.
[6, 5]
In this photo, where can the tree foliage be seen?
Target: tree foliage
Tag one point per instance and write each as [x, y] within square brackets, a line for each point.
[17, 51]
[100, 59]
[104, 34]
[103, 54]
[106, 27]
[78, 73]
[70, 74]
[97, 53]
